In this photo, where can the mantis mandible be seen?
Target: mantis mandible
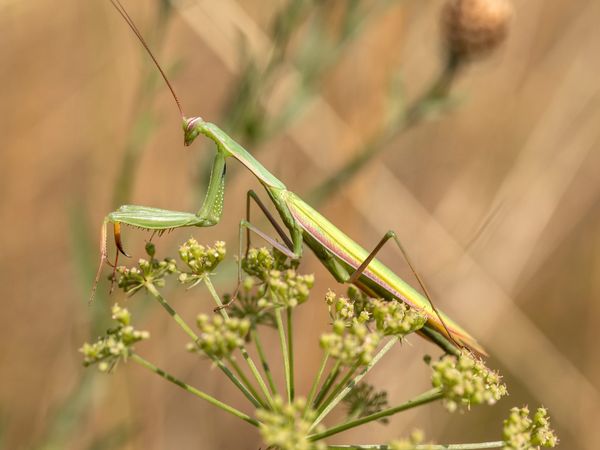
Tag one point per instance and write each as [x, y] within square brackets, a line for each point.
[347, 261]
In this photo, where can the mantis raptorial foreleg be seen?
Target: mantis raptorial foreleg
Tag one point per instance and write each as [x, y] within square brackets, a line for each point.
[161, 220]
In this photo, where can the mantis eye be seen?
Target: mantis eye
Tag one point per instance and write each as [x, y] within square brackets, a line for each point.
[190, 129]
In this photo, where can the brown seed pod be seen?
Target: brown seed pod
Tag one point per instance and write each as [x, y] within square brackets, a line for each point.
[473, 28]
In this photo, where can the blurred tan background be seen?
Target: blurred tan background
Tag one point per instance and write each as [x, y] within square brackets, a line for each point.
[496, 201]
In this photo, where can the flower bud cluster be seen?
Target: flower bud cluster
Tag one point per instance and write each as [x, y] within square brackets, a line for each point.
[281, 285]
[466, 381]
[390, 317]
[250, 304]
[287, 426]
[220, 337]
[147, 272]
[344, 309]
[523, 433]
[117, 343]
[363, 400]
[394, 318]
[415, 438]
[259, 262]
[201, 260]
[351, 344]
[287, 288]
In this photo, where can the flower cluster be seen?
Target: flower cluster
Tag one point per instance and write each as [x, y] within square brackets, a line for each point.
[523, 433]
[147, 272]
[280, 285]
[250, 303]
[351, 344]
[286, 426]
[344, 309]
[117, 343]
[410, 443]
[394, 318]
[259, 262]
[363, 400]
[466, 381]
[287, 288]
[200, 260]
[220, 337]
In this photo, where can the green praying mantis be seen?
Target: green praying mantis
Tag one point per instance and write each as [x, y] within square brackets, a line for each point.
[347, 261]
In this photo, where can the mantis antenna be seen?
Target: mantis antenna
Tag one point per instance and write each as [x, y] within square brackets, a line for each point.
[121, 9]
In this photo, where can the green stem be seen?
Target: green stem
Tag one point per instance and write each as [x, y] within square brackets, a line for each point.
[135, 357]
[313, 389]
[335, 371]
[474, 446]
[243, 350]
[354, 382]
[247, 383]
[163, 302]
[263, 360]
[284, 351]
[290, 341]
[337, 389]
[426, 397]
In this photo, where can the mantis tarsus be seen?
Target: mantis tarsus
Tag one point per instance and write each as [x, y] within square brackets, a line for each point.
[347, 261]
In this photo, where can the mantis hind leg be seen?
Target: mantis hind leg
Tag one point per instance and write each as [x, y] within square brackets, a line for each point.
[392, 235]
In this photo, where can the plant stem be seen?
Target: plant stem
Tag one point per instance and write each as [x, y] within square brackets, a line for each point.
[354, 382]
[338, 388]
[284, 351]
[243, 350]
[335, 371]
[426, 397]
[474, 446]
[135, 357]
[290, 341]
[247, 382]
[263, 360]
[316, 381]
[163, 302]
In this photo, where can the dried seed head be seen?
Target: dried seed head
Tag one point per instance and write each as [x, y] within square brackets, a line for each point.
[473, 28]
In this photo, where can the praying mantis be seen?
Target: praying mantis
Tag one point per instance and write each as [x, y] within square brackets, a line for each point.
[346, 260]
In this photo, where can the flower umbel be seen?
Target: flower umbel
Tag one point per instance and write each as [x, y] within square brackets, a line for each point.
[523, 433]
[286, 426]
[394, 318]
[351, 345]
[415, 438]
[466, 381]
[147, 272]
[117, 343]
[220, 337]
[201, 260]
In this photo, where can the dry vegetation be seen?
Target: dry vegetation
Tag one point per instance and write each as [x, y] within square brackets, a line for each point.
[497, 203]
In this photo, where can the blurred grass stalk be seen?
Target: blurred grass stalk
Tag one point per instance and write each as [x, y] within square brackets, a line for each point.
[68, 417]
[245, 116]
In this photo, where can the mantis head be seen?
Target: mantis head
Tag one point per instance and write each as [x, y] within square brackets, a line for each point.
[191, 129]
